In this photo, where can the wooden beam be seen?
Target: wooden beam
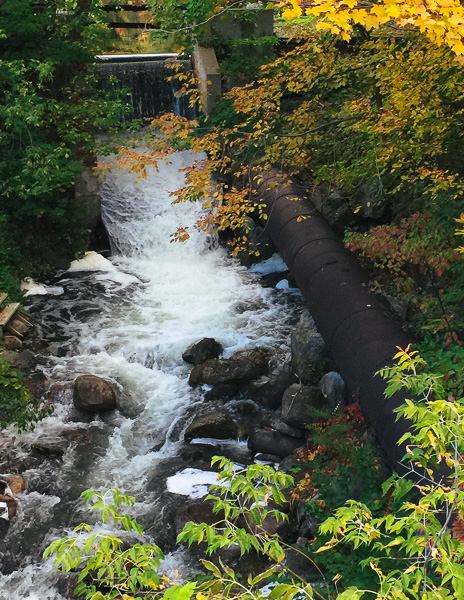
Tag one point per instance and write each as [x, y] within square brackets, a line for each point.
[8, 312]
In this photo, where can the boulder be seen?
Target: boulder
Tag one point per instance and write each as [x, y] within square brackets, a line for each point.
[299, 404]
[217, 424]
[283, 427]
[309, 354]
[333, 388]
[272, 279]
[11, 342]
[77, 435]
[50, 447]
[15, 482]
[227, 391]
[25, 361]
[205, 349]
[259, 244]
[197, 511]
[301, 564]
[335, 208]
[37, 383]
[268, 441]
[18, 327]
[372, 201]
[93, 394]
[244, 365]
[271, 390]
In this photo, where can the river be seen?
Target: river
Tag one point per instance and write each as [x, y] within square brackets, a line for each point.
[129, 318]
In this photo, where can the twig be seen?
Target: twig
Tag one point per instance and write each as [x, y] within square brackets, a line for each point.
[336, 122]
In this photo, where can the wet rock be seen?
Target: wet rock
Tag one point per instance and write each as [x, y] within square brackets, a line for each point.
[333, 388]
[299, 563]
[25, 361]
[299, 404]
[16, 458]
[37, 383]
[49, 448]
[259, 244]
[287, 464]
[272, 458]
[286, 429]
[197, 511]
[242, 365]
[15, 482]
[272, 279]
[269, 391]
[93, 394]
[267, 441]
[11, 342]
[243, 408]
[77, 435]
[308, 527]
[309, 354]
[205, 349]
[227, 391]
[18, 327]
[60, 392]
[217, 424]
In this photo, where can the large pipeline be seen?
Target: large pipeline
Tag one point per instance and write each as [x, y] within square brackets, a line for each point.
[362, 335]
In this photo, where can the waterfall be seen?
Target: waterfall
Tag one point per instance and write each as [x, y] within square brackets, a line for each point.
[150, 93]
[129, 319]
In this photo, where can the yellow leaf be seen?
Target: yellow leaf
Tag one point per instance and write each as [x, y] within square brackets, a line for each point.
[371, 22]
[323, 25]
[411, 569]
[432, 439]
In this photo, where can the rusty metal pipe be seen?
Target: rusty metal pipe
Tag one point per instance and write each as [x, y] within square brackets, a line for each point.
[362, 335]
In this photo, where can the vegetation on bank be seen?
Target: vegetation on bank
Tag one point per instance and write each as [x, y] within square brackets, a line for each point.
[367, 107]
[50, 109]
[405, 544]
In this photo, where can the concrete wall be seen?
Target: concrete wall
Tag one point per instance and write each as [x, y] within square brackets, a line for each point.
[207, 67]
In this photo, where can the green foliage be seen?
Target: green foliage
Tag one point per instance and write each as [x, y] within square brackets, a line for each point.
[242, 496]
[50, 109]
[18, 407]
[185, 20]
[412, 549]
[331, 464]
[108, 568]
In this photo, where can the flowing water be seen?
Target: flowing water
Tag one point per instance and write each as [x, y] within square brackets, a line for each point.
[129, 319]
[148, 87]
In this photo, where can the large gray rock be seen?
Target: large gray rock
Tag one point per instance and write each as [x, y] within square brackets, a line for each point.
[217, 424]
[266, 441]
[309, 354]
[300, 404]
[205, 349]
[244, 365]
[333, 388]
[93, 394]
[270, 391]
[259, 244]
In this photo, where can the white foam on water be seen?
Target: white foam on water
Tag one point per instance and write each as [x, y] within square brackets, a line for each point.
[274, 264]
[91, 261]
[156, 299]
[32, 288]
[191, 482]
